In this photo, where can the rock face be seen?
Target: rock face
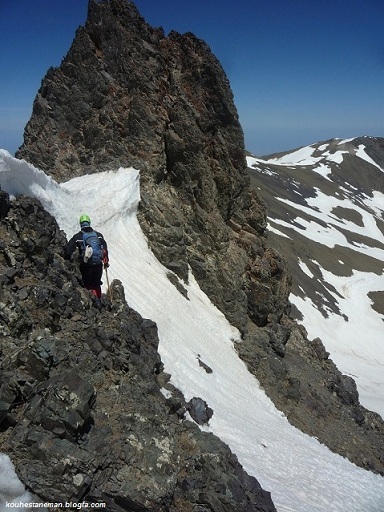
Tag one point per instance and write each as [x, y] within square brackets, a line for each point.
[83, 407]
[127, 95]
[315, 396]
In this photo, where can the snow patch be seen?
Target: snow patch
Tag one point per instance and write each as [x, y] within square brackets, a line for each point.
[363, 155]
[13, 495]
[303, 156]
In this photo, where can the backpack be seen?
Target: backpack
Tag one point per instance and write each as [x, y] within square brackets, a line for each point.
[92, 249]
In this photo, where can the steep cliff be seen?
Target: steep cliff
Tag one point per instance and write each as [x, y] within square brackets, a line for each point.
[127, 94]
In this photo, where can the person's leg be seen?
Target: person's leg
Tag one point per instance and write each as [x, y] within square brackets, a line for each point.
[96, 278]
[91, 275]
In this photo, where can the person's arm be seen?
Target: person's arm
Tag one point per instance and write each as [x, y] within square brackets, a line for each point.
[70, 247]
[105, 250]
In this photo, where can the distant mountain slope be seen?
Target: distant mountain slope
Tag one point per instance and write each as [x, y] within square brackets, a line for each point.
[326, 217]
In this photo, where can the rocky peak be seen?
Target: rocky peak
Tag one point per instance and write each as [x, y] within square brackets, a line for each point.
[127, 95]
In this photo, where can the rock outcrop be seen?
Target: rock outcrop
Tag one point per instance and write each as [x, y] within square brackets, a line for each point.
[316, 397]
[86, 412]
[128, 95]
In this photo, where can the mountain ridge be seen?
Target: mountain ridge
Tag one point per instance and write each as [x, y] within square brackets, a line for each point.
[326, 216]
[83, 391]
[255, 414]
[197, 208]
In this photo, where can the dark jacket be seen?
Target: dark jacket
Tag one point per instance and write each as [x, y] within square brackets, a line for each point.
[76, 242]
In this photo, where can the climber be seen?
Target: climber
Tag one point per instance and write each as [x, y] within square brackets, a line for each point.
[93, 256]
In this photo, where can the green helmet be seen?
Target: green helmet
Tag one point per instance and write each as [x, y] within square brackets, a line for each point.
[85, 219]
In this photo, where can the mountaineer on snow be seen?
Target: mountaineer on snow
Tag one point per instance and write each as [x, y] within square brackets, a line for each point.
[93, 256]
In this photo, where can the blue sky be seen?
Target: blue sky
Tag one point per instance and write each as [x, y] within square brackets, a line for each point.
[301, 71]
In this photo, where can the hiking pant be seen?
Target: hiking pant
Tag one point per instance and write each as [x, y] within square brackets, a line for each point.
[91, 275]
